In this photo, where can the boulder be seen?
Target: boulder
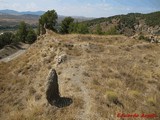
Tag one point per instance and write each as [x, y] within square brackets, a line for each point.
[61, 58]
[52, 92]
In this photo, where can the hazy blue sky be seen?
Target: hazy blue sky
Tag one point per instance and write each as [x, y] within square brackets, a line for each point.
[90, 8]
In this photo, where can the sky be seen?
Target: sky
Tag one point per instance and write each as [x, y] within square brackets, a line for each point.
[86, 8]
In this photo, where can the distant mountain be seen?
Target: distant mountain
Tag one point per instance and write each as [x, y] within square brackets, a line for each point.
[10, 19]
[37, 13]
[13, 12]
[33, 13]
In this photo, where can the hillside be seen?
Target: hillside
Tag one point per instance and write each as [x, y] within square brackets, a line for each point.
[103, 75]
[13, 20]
[130, 24]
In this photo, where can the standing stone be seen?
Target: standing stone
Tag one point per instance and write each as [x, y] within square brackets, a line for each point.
[52, 92]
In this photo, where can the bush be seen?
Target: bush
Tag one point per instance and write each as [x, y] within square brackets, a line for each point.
[112, 31]
[135, 93]
[66, 24]
[112, 96]
[31, 36]
[99, 30]
[25, 34]
[150, 19]
[142, 37]
[5, 39]
[73, 27]
[16, 38]
[22, 31]
[152, 101]
[82, 28]
[48, 20]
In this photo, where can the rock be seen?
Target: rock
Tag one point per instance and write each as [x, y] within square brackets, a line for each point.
[52, 93]
[154, 39]
[68, 45]
[61, 58]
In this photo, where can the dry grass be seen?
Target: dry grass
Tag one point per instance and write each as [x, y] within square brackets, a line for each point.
[104, 75]
[152, 101]
[112, 96]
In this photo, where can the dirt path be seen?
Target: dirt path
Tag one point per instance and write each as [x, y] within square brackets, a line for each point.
[13, 51]
[83, 92]
[13, 56]
[78, 81]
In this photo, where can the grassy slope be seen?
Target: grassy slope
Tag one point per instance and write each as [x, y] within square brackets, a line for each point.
[104, 75]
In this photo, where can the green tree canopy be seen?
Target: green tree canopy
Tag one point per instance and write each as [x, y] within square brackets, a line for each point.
[99, 30]
[25, 33]
[5, 39]
[66, 24]
[112, 31]
[48, 20]
[73, 27]
[82, 28]
[31, 36]
[22, 31]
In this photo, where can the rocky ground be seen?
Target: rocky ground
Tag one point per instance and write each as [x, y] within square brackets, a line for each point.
[103, 75]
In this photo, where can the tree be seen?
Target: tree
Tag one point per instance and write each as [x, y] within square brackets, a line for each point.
[66, 25]
[22, 31]
[25, 33]
[5, 39]
[73, 27]
[38, 29]
[112, 31]
[48, 21]
[15, 38]
[31, 36]
[82, 28]
[99, 30]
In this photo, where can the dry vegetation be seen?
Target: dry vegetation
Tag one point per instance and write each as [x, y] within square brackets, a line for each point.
[104, 75]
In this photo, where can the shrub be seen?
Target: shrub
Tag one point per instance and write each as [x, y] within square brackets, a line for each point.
[5, 39]
[112, 31]
[82, 29]
[135, 93]
[149, 19]
[48, 20]
[142, 37]
[152, 101]
[99, 30]
[112, 96]
[22, 31]
[31, 36]
[25, 33]
[66, 24]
